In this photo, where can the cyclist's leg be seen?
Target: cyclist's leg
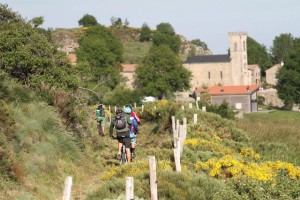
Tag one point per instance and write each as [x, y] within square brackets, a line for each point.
[127, 145]
[102, 126]
[133, 145]
[120, 144]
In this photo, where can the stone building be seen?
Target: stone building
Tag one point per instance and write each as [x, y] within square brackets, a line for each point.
[271, 74]
[242, 98]
[233, 69]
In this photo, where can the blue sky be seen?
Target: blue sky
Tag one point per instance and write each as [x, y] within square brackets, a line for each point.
[207, 20]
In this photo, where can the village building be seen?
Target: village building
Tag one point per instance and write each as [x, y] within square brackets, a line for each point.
[233, 69]
[241, 98]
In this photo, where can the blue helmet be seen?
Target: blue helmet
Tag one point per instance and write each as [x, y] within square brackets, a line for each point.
[127, 110]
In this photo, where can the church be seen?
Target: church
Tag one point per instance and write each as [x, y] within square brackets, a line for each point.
[224, 70]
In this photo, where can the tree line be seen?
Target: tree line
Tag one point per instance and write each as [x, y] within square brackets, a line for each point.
[29, 54]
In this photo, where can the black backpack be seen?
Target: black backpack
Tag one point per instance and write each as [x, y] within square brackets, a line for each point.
[120, 122]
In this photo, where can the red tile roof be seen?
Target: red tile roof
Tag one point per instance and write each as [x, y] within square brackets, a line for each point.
[252, 67]
[237, 89]
[128, 67]
[201, 89]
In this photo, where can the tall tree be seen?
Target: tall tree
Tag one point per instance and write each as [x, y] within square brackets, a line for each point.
[161, 73]
[102, 51]
[37, 21]
[288, 84]
[165, 35]
[25, 52]
[87, 20]
[200, 43]
[282, 44]
[116, 22]
[145, 35]
[258, 54]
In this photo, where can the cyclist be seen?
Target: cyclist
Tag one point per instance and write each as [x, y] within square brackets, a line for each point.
[134, 114]
[100, 118]
[122, 123]
[133, 131]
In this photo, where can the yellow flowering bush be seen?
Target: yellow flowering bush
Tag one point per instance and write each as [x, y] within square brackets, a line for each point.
[265, 171]
[134, 168]
[162, 103]
[191, 142]
[209, 145]
[293, 171]
[249, 152]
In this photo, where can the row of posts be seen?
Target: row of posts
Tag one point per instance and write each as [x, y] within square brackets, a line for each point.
[179, 136]
[129, 183]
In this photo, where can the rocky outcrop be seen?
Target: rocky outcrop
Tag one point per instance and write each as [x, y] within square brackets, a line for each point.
[187, 46]
[271, 97]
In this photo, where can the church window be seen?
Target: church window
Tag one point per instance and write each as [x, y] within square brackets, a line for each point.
[221, 74]
[235, 46]
[208, 75]
[244, 45]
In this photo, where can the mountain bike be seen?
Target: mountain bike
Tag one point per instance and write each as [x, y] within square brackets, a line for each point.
[123, 158]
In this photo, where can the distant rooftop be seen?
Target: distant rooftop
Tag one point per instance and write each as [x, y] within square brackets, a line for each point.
[128, 67]
[237, 89]
[208, 59]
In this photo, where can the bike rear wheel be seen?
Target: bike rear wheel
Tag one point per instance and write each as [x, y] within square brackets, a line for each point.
[123, 156]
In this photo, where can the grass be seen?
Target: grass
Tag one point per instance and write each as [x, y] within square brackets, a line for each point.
[274, 135]
[134, 52]
[45, 155]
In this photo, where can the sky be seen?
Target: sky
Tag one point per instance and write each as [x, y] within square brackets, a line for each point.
[207, 20]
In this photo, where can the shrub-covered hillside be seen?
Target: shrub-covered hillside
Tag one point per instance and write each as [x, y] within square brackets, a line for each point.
[218, 162]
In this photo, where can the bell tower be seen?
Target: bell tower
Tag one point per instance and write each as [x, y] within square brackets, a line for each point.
[239, 60]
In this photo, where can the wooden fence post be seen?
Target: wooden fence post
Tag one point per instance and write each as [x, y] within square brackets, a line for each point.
[129, 188]
[190, 105]
[153, 178]
[177, 127]
[134, 105]
[142, 108]
[195, 118]
[177, 154]
[174, 129]
[115, 109]
[197, 105]
[68, 187]
[184, 128]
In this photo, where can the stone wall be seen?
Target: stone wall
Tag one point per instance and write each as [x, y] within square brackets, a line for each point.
[271, 97]
[209, 74]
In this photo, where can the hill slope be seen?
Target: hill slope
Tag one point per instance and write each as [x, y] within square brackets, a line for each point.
[134, 50]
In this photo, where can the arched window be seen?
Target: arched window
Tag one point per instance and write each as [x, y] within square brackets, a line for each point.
[208, 75]
[244, 45]
[221, 74]
[235, 46]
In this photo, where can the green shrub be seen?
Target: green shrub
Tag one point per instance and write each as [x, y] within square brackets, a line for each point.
[122, 96]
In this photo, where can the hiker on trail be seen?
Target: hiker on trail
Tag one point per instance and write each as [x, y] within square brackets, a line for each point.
[100, 118]
[122, 123]
[134, 114]
[133, 131]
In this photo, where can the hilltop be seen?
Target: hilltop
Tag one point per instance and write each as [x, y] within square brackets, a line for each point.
[134, 50]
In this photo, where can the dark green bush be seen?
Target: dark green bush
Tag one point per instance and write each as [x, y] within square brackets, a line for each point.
[122, 96]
